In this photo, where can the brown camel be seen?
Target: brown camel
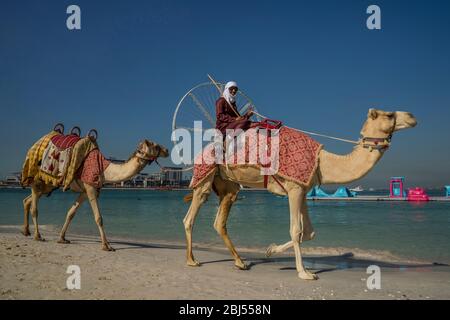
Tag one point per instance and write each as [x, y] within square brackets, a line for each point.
[114, 173]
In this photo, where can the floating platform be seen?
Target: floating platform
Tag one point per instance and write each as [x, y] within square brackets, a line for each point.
[373, 198]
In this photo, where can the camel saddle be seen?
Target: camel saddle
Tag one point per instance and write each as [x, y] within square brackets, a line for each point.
[57, 155]
[58, 159]
[297, 159]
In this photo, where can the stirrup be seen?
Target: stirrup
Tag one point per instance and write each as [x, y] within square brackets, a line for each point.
[78, 131]
[59, 127]
[93, 134]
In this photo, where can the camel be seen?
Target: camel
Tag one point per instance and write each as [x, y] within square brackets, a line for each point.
[376, 135]
[146, 152]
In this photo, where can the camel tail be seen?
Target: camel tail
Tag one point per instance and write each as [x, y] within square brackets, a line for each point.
[188, 197]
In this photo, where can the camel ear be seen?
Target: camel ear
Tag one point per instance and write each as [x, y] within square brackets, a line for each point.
[373, 114]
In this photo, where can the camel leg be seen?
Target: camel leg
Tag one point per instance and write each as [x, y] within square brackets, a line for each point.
[295, 203]
[274, 248]
[35, 195]
[200, 195]
[92, 195]
[70, 214]
[228, 192]
[26, 211]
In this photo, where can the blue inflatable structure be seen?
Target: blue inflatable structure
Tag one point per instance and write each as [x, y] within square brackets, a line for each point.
[447, 191]
[317, 192]
[343, 192]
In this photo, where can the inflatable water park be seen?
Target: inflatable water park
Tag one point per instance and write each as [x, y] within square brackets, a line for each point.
[397, 192]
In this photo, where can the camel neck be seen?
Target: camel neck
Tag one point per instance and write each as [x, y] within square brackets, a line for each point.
[125, 171]
[336, 168]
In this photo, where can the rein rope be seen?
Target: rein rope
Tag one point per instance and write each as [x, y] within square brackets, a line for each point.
[313, 133]
[380, 144]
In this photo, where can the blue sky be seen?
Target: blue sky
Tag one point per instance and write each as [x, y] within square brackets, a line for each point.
[312, 64]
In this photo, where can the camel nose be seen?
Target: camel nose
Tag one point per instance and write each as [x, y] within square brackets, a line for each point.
[411, 120]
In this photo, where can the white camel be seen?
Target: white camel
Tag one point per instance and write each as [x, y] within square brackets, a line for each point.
[376, 137]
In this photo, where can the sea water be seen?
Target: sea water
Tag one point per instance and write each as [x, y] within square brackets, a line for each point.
[257, 219]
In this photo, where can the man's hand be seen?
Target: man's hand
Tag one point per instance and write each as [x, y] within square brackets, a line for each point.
[249, 113]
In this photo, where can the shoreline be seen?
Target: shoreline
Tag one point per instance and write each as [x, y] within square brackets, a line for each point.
[362, 198]
[154, 270]
[218, 247]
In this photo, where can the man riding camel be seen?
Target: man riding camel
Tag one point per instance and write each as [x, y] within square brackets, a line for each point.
[227, 114]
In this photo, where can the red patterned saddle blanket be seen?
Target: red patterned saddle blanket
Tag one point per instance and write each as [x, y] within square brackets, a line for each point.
[94, 165]
[62, 142]
[297, 157]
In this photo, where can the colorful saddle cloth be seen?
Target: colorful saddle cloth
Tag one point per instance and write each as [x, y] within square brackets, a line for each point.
[91, 172]
[56, 158]
[33, 159]
[298, 157]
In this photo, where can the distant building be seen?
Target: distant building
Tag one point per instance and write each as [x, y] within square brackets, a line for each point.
[140, 180]
[13, 179]
[154, 180]
[172, 176]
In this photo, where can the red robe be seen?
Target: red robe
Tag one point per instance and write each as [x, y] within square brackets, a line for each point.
[226, 118]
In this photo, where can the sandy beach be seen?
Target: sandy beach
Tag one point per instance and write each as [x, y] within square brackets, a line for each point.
[141, 270]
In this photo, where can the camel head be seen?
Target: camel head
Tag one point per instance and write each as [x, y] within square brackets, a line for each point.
[382, 124]
[151, 150]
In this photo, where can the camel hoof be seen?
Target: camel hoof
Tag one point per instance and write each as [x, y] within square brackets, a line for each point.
[108, 248]
[270, 250]
[241, 265]
[26, 233]
[39, 238]
[308, 276]
[63, 241]
[193, 263]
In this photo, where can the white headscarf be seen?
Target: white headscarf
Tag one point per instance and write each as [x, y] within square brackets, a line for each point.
[226, 93]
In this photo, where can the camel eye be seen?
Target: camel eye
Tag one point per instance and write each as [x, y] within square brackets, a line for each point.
[390, 115]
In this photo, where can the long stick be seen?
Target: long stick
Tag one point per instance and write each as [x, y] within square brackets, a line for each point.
[220, 92]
